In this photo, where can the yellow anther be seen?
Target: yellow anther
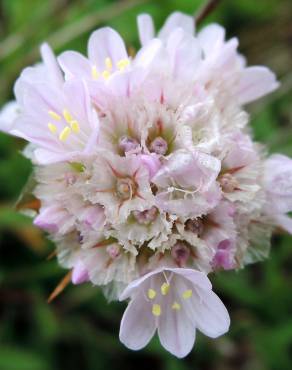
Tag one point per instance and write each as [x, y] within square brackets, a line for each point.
[94, 73]
[106, 74]
[122, 64]
[187, 294]
[65, 133]
[164, 288]
[54, 115]
[151, 293]
[156, 310]
[75, 126]
[67, 115]
[108, 63]
[52, 128]
[176, 306]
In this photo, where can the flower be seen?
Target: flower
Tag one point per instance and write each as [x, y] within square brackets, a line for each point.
[278, 184]
[176, 302]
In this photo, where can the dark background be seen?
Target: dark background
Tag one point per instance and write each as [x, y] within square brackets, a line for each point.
[79, 330]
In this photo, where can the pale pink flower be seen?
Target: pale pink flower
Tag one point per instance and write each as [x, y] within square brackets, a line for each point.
[216, 61]
[147, 174]
[120, 184]
[175, 302]
[107, 54]
[187, 183]
[55, 219]
[59, 121]
[241, 168]
[278, 185]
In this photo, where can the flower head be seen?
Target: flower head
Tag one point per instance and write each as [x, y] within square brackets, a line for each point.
[147, 174]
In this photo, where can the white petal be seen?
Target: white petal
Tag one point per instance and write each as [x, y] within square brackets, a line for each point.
[146, 28]
[138, 324]
[106, 43]
[177, 19]
[256, 82]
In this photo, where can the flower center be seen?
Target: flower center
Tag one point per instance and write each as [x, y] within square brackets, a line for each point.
[158, 146]
[228, 183]
[127, 144]
[157, 296]
[71, 124]
[126, 188]
[196, 226]
[180, 253]
[145, 217]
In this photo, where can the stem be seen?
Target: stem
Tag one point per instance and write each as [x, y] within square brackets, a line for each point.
[205, 10]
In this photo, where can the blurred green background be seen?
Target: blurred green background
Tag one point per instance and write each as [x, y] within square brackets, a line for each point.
[79, 330]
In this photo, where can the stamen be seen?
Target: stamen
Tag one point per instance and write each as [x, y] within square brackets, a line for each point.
[52, 128]
[165, 277]
[164, 288]
[187, 294]
[67, 116]
[108, 64]
[65, 133]
[94, 73]
[151, 293]
[158, 146]
[54, 115]
[176, 306]
[122, 64]
[106, 74]
[75, 126]
[228, 183]
[156, 310]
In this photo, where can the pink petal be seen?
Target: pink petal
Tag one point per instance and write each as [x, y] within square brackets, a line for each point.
[256, 82]
[51, 63]
[176, 333]
[146, 28]
[138, 324]
[185, 53]
[211, 38]
[195, 277]
[151, 162]
[8, 115]
[79, 273]
[175, 20]
[210, 314]
[75, 65]
[106, 43]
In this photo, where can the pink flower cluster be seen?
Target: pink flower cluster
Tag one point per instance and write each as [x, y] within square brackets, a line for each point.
[147, 174]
